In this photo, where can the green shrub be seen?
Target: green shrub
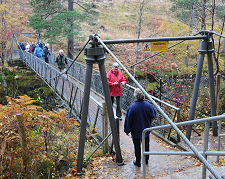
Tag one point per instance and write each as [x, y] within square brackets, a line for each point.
[151, 86]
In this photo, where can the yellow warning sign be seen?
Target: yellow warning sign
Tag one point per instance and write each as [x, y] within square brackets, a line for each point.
[159, 46]
[146, 47]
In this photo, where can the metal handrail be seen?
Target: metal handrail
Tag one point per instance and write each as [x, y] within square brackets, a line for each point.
[218, 138]
[180, 133]
[177, 112]
[31, 61]
[157, 99]
[201, 155]
[33, 66]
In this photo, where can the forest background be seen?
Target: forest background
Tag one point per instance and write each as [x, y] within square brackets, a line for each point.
[67, 25]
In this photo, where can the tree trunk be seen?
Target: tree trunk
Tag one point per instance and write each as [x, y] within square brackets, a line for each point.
[203, 27]
[2, 69]
[190, 32]
[3, 49]
[216, 57]
[138, 33]
[70, 36]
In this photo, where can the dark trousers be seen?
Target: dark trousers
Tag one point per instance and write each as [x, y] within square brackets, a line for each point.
[46, 60]
[118, 110]
[137, 148]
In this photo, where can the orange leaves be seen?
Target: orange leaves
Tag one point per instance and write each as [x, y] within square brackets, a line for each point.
[39, 126]
[33, 114]
[74, 171]
[24, 99]
[44, 129]
[197, 164]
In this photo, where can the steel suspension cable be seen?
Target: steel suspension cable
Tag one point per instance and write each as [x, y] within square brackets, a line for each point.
[130, 66]
[73, 60]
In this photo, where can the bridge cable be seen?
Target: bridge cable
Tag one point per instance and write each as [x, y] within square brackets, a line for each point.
[130, 66]
[213, 32]
[65, 72]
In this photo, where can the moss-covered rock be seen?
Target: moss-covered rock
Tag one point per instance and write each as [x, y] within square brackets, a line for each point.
[20, 81]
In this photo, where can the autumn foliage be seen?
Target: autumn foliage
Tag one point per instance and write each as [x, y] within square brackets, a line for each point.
[33, 141]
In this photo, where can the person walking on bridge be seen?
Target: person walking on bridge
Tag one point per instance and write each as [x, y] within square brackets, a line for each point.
[38, 51]
[46, 53]
[139, 116]
[61, 61]
[115, 79]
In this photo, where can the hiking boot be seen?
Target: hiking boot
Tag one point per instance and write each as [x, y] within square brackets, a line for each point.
[136, 163]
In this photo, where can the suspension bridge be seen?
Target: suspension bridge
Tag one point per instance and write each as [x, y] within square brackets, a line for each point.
[85, 92]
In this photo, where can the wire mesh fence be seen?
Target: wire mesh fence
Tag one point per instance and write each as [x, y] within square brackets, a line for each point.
[73, 95]
[67, 90]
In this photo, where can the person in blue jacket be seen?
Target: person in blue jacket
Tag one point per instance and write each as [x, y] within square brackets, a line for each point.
[139, 116]
[38, 51]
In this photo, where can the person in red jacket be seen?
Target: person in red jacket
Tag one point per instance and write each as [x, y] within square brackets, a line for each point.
[115, 79]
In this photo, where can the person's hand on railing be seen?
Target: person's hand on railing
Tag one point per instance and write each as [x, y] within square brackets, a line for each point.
[123, 83]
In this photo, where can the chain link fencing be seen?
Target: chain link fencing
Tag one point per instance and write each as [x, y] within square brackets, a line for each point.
[65, 87]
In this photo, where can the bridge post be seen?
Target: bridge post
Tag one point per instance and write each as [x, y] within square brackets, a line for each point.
[114, 128]
[206, 46]
[202, 51]
[84, 114]
[95, 55]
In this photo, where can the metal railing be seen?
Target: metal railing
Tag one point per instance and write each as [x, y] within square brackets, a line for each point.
[77, 71]
[65, 88]
[174, 113]
[202, 156]
[218, 138]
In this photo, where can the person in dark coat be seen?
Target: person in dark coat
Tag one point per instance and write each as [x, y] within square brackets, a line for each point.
[61, 60]
[22, 46]
[46, 53]
[33, 48]
[41, 45]
[139, 116]
[115, 79]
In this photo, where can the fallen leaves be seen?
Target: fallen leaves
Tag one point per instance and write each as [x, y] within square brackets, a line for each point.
[197, 164]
